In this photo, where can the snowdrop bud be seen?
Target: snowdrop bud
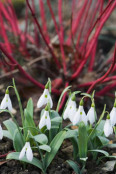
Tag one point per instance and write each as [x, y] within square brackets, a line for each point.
[91, 114]
[26, 150]
[113, 116]
[80, 115]
[108, 129]
[1, 133]
[70, 109]
[6, 102]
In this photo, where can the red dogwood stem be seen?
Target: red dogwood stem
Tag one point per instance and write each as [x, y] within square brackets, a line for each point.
[25, 74]
[60, 37]
[94, 39]
[98, 81]
[40, 30]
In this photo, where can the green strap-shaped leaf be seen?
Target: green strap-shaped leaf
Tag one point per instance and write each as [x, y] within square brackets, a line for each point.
[11, 126]
[29, 122]
[35, 161]
[100, 151]
[71, 133]
[30, 107]
[41, 138]
[7, 134]
[74, 166]
[17, 141]
[55, 145]
[45, 148]
[82, 140]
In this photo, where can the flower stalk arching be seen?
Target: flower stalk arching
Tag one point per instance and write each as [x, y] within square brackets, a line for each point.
[19, 101]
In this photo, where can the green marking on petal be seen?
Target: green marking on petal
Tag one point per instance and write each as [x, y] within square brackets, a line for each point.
[45, 117]
[6, 100]
[80, 113]
[46, 96]
[70, 107]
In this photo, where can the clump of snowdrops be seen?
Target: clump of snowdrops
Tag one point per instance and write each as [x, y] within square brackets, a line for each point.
[88, 138]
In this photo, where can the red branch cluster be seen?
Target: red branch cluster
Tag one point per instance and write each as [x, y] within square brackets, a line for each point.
[87, 20]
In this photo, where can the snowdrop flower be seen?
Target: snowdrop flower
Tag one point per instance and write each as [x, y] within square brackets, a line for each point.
[45, 120]
[108, 129]
[45, 99]
[1, 133]
[80, 115]
[70, 109]
[6, 102]
[26, 150]
[91, 114]
[113, 116]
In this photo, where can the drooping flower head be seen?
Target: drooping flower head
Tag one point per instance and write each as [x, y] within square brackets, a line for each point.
[91, 115]
[70, 109]
[45, 98]
[108, 128]
[45, 120]
[26, 150]
[113, 114]
[1, 133]
[80, 115]
[6, 102]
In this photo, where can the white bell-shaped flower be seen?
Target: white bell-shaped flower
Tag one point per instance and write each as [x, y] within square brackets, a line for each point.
[70, 110]
[1, 133]
[6, 102]
[79, 116]
[45, 120]
[91, 115]
[108, 129]
[26, 150]
[113, 116]
[45, 99]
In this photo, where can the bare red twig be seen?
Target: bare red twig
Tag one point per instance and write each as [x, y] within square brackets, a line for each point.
[60, 36]
[40, 30]
[25, 74]
[110, 7]
[4, 155]
[98, 81]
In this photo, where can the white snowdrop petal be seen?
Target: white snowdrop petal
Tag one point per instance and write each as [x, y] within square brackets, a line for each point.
[108, 129]
[72, 113]
[42, 122]
[48, 123]
[29, 153]
[50, 101]
[9, 105]
[1, 133]
[76, 118]
[65, 115]
[42, 101]
[91, 115]
[70, 110]
[22, 153]
[84, 117]
[3, 104]
[113, 116]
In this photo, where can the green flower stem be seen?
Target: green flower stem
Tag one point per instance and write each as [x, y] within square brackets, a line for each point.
[41, 155]
[101, 117]
[19, 101]
[59, 101]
